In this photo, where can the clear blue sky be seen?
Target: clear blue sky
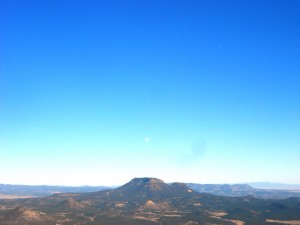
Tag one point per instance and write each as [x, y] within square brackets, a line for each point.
[99, 92]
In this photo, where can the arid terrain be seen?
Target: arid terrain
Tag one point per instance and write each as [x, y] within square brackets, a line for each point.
[148, 201]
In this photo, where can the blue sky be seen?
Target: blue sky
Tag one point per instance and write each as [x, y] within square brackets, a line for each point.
[99, 92]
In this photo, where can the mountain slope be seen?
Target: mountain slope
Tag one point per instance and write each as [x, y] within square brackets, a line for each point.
[151, 201]
[21, 215]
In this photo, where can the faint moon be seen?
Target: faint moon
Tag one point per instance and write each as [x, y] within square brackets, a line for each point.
[147, 139]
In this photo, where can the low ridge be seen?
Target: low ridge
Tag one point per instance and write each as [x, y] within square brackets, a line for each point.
[23, 215]
[69, 204]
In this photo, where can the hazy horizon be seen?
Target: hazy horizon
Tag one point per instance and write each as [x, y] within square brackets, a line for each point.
[117, 185]
[98, 92]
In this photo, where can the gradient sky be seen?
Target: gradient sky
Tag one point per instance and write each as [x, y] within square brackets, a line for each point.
[99, 92]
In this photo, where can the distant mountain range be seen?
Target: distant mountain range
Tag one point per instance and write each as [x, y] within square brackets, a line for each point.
[242, 190]
[270, 185]
[44, 190]
[148, 201]
[268, 190]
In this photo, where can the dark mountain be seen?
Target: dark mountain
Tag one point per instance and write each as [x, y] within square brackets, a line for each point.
[140, 189]
[242, 190]
[150, 201]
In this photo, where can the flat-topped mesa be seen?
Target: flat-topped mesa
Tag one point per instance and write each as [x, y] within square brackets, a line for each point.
[147, 180]
[140, 190]
[142, 187]
[155, 184]
[149, 183]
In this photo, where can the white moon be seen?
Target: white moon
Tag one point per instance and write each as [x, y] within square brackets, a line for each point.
[147, 139]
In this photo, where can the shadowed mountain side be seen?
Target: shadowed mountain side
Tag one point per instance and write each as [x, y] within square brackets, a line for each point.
[149, 188]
